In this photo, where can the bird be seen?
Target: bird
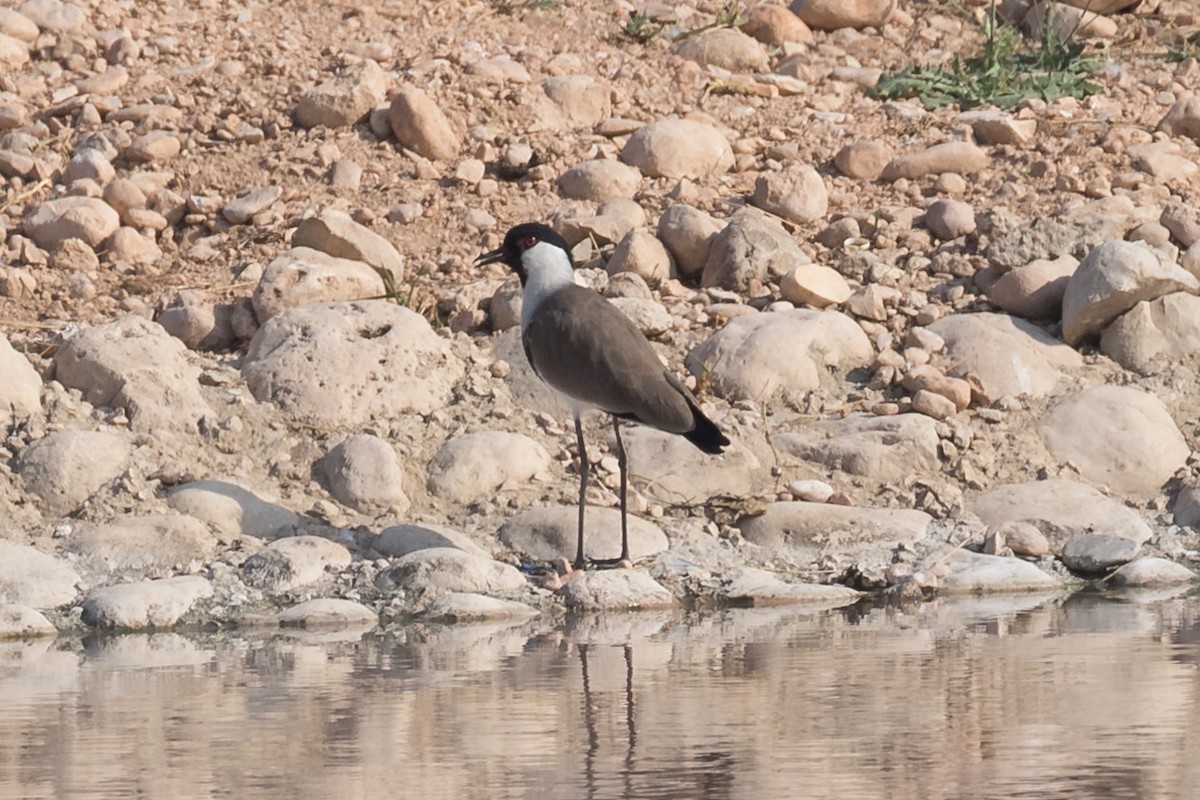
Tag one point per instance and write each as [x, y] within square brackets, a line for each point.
[585, 347]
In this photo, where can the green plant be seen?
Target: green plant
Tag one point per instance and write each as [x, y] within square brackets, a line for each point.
[406, 296]
[512, 7]
[1004, 75]
[731, 15]
[642, 27]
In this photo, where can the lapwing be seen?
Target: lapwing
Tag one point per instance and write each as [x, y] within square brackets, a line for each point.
[587, 349]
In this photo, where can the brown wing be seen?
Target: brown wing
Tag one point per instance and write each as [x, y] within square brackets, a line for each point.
[584, 347]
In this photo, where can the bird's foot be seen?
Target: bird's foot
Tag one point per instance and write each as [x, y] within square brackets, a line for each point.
[623, 562]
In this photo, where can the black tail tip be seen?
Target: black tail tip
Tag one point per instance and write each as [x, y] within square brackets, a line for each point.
[707, 436]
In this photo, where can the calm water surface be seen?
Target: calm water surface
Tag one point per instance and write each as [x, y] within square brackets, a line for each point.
[1017, 698]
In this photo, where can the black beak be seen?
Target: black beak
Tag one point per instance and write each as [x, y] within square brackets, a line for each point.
[490, 257]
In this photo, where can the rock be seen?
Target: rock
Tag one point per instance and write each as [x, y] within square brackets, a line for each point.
[1183, 221]
[612, 221]
[301, 276]
[198, 323]
[504, 312]
[1187, 506]
[805, 531]
[155, 543]
[364, 474]
[89, 164]
[797, 194]
[995, 127]
[864, 160]
[688, 234]
[544, 534]
[13, 164]
[1022, 538]
[53, 15]
[22, 622]
[1151, 572]
[1097, 553]
[54, 221]
[286, 564]
[932, 404]
[232, 510]
[1059, 509]
[1033, 364]
[65, 468]
[21, 389]
[750, 248]
[15, 24]
[776, 26]
[671, 470]
[678, 148]
[145, 604]
[1183, 119]
[130, 247]
[418, 124]
[153, 147]
[1153, 336]
[133, 364]
[746, 586]
[647, 315]
[1103, 6]
[725, 48]
[829, 15]
[814, 285]
[478, 465]
[74, 255]
[249, 205]
[400, 540]
[1163, 160]
[972, 573]
[1111, 280]
[579, 99]
[501, 69]
[455, 607]
[756, 355]
[125, 196]
[344, 100]
[950, 219]
[335, 233]
[328, 613]
[642, 254]
[929, 378]
[1117, 436]
[885, 449]
[613, 590]
[1035, 290]
[599, 180]
[345, 175]
[437, 570]
[298, 355]
[961, 158]
[1065, 21]
[32, 578]
[1016, 242]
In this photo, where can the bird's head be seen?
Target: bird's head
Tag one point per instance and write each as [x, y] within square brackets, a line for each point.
[525, 245]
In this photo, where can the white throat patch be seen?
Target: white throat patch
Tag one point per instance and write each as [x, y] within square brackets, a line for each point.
[547, 269]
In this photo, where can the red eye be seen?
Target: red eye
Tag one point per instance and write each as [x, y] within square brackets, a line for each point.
[528, 242]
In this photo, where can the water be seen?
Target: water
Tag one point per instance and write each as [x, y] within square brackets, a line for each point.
[990, 698]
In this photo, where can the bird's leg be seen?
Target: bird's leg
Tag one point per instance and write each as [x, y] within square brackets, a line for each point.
[622, 463]
[580, 563]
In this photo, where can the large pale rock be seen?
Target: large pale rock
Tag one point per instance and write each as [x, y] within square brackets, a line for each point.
[155, 543]
[830, 15]
[232, 510]
[642, 253]
[1009, 357]
[797, 194]
[671, 469]
[15, 24]
[335, 233]
[22, 622]
[145, 604]
[746, 586]
[863, 160]
[756, 355]
[806, 531]
[581, 101]
[950, 219]
[815, 285]
[751, 248]
[996, 127]
[1152, 573]
[974, 573]
[328, 614]
[776, 26]
[33, 578]
[477, 465]
[1117, 436]
[961, 158]
[1155, 335]
[134, 364]
[1035, 290]
[614, 590]
[600, 180]
[1059, 509]
[646, 314]
[678, 148]
[400, 540]
[1112, 279]
[65, 468]
[1016, 241]
[21, 389]
[365, 474]
[469, 607]
[54, 15]
[321, 363]
[419, 125]
[245, 207]
[54, 221]
[688, 234]
[1183, 119]
[288, 563]
[725, 48]
[301, 276]
[345, 99]
[437, 570]
[549, 533]
[886, 449]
